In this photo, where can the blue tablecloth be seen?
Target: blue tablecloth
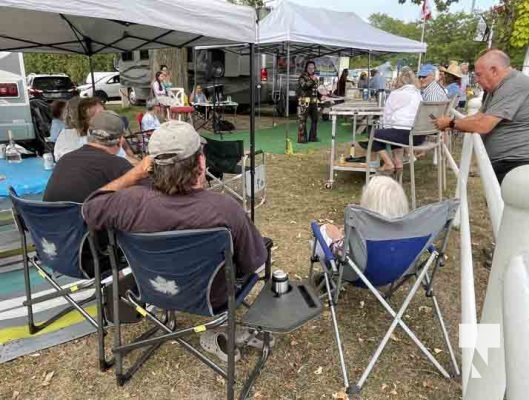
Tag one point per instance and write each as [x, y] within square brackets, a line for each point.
[28, 177]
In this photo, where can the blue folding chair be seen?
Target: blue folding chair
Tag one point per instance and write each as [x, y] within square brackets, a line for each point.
[380, 254]
[174, 272]
[59, 232]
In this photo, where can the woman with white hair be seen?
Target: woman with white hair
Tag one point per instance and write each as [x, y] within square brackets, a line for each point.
[399, 114]
[383, 195]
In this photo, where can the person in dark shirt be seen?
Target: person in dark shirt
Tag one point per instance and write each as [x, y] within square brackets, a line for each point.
[92, 166]
[83, 171]
[308, 103]
[176, 200]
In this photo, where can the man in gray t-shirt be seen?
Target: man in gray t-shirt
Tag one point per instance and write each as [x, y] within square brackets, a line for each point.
[504, 116]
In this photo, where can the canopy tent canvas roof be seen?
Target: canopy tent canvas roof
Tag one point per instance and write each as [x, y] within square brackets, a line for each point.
[102, 26]
[307, 28]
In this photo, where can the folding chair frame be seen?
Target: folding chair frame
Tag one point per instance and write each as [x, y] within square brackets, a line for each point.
[436, 145]
[333, 275]
[63, 291]
[167, 330]
[224, 184]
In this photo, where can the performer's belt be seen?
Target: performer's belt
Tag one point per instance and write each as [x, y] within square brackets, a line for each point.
[307, 100]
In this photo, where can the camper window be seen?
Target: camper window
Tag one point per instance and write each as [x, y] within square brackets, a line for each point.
[144, 54]
[127, 56]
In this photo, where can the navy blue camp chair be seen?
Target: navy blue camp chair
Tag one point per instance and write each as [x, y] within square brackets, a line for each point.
[58, 232]
[174, 272]
[380, 254]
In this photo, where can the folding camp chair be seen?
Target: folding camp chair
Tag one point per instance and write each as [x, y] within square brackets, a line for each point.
[229, 158]
[58, 232]
[382, 253]
[422, 126]
[174, 271]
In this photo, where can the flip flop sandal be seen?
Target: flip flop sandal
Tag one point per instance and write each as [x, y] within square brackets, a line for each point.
[211, 341]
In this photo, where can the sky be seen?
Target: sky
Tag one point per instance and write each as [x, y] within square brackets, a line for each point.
[406, 12]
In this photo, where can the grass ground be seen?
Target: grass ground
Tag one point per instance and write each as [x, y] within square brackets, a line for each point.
[304, 364]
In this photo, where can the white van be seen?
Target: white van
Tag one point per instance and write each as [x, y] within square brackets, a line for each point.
[15, 114]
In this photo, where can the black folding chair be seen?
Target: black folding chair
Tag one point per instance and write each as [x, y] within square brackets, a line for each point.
[228, 170]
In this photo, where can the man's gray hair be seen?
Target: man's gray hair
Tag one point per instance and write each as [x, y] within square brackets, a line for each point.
[385, 196]
[495, 57]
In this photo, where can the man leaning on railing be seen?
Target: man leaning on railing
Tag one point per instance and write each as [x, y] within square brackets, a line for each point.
[503, 119]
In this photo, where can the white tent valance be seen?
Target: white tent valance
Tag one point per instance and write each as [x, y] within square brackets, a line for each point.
[308, 26]
[102, 26]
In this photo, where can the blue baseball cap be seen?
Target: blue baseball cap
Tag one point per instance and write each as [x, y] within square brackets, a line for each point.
[426, 70]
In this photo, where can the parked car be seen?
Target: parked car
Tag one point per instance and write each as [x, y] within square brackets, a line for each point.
[51, 87]
[107, 85]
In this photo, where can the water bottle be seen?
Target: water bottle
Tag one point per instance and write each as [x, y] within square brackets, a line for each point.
[279, 282]
[365, 95]
[47, 158]
[12, 153]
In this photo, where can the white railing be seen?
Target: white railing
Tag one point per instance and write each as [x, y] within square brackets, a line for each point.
[508, 221]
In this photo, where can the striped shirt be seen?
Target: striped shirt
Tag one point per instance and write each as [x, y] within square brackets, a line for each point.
[434, 92]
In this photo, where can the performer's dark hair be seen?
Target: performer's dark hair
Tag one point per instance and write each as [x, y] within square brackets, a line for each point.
[308, 63]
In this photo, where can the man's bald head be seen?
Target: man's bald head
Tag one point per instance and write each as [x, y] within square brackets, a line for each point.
[491, 68]
[495, 58]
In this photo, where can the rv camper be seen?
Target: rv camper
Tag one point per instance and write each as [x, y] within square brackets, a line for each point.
[15, 114]
[135, 75]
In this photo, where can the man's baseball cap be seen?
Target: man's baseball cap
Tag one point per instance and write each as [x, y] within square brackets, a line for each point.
[106, 126]
[427, 69]
[176, 138]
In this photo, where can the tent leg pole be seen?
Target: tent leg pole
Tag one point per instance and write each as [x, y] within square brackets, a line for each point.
[252, 130]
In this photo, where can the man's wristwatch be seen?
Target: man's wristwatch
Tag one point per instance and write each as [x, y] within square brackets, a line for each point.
[452, 123]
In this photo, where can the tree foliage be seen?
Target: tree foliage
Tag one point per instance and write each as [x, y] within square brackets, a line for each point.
[76, 66]
[449, 37]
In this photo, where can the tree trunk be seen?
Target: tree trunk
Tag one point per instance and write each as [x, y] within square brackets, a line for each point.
[176, 61]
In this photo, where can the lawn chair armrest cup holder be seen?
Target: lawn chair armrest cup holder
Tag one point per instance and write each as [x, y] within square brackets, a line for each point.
[283, 313]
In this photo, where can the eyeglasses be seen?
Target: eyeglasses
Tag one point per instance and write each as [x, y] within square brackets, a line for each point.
[422, 77]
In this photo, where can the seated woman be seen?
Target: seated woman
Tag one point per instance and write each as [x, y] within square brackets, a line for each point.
[77, 116]
[57, 123]
[383, 195]
[399, 114]
[159, 90]
[149, 121]
[197, 95]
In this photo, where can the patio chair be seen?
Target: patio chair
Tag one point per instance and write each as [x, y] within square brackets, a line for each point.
[228, 170]
[58, 232]
[174, 271]
[178, 106]
[422, 126]
[381, 254]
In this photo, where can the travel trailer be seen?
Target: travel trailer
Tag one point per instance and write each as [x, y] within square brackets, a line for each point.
[15, 114]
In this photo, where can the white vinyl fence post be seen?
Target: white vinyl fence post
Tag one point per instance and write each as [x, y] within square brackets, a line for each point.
[513, 238]
[516, 326]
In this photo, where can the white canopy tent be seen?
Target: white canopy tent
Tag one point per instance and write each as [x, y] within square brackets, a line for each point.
[308, 27]
[293, 29]
[102, 26]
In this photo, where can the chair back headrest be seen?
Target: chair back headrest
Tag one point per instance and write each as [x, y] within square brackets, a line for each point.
[423, 124]
[58, 232]
[139, 118]
[386, 248]
[224, 155]
[175, 270]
